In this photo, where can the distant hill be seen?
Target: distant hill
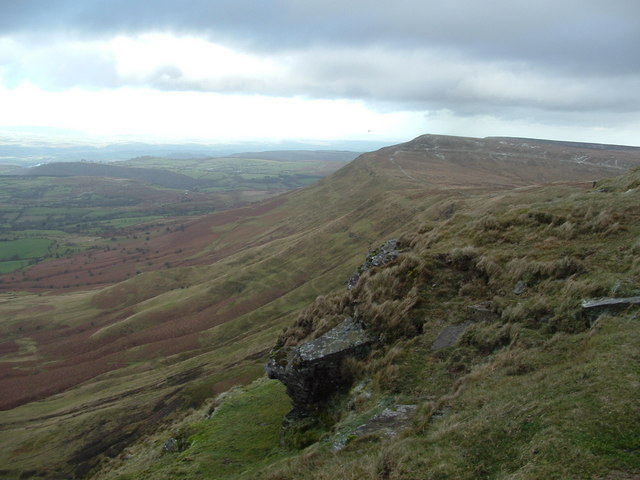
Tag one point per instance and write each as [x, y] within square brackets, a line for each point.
[474, 162]
[301, 155]
[9, 169]
[31, 146]
[163, 178]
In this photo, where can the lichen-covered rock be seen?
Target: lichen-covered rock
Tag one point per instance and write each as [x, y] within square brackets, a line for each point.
[389, 423]
[312, 371]
[449, 335]
[170, 446]
[597, 306]
[382, 255]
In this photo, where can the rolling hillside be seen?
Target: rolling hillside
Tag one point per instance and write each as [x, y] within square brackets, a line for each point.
[155, 176]
[63, 208]
[193, 310]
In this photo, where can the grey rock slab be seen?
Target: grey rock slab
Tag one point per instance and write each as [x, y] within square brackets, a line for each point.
[449, 335]
[520, 288]
[481, 312]
[388, 423]
[597, 306]
[346, 336]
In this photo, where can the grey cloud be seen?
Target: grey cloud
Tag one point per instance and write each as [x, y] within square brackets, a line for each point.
[507, 57]
[573, 34]
[420, 80]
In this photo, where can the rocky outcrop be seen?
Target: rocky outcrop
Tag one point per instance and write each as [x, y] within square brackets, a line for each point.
[312, 371]
[595, 307]
[382, 255]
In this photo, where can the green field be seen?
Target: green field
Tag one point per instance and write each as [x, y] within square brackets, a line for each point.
[24, 249]
[13, 265]
[233, 173]
[45, 217]
[16, 254]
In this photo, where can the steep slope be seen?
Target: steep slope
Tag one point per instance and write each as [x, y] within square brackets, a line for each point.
[484, 329]
[90, 371]
[486, 362]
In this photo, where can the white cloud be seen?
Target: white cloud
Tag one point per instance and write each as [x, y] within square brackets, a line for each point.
[605, 129]
[191, 115]
[186, 86]
[139, 59]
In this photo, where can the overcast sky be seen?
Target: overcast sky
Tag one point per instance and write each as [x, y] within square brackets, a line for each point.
[323, 70]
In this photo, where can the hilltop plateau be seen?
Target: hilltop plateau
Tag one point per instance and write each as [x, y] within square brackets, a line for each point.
[98, 375]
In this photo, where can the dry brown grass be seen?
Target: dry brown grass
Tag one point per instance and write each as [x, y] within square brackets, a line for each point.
[323, 314]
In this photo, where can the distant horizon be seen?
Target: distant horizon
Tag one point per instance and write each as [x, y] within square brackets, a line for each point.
[57, 135]
[26, 147]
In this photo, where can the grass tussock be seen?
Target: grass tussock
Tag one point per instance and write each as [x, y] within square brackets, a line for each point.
[532, 271]
[323, 314]
[382, 300]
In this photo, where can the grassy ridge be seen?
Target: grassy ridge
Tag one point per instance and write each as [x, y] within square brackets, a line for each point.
[538, 392]
[535, 392]
[194, 321]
